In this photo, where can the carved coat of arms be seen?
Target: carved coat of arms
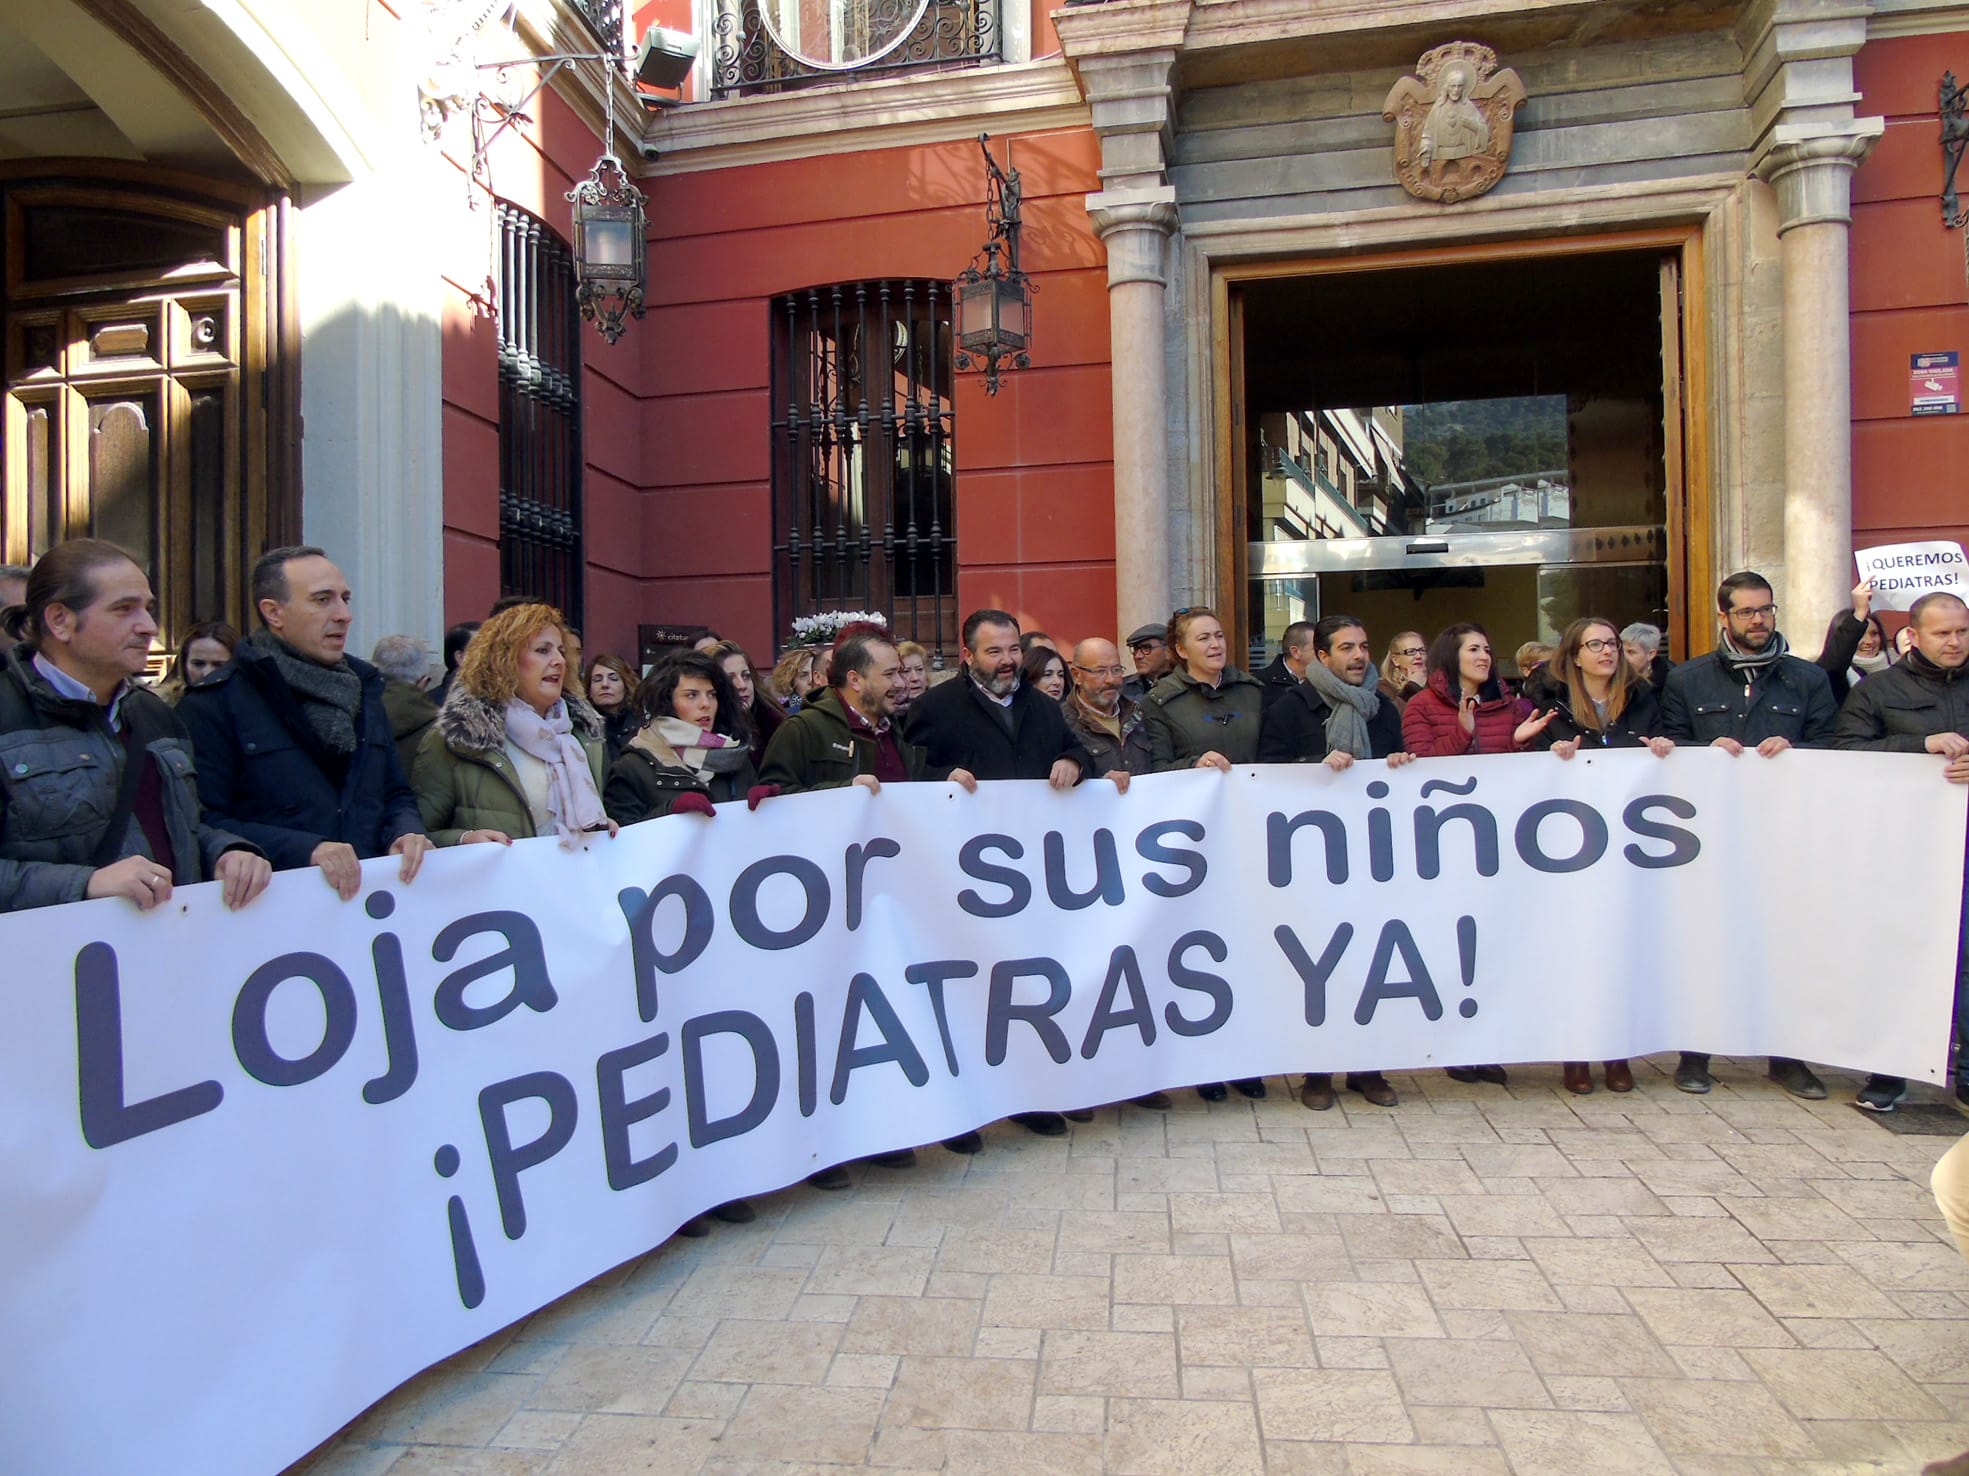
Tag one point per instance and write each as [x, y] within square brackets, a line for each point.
[1453, 122]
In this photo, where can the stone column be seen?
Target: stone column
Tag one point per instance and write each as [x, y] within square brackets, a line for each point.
[1812, 173]
[1136, 230]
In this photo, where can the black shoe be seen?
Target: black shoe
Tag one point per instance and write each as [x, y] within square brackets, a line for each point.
[1081, 1116]
[1046, 1124]
[1692, 1074]
[1252, 1087]
[835, 1177]
[1212, 1091]
[736, 1212]
[1316, 1092]
[1881, 1093]
[1797, 1078]
[1495, 1075]
[902, 1158]
[695, 1228]
[1373, 1086]
[1154, 1101]
[1962, 1091]
[965, 1143]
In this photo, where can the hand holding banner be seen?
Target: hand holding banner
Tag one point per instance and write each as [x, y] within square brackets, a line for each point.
[261, 1167]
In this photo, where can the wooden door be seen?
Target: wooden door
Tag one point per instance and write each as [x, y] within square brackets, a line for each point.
[139, 343]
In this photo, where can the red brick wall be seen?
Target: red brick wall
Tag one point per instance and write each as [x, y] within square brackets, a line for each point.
[1034, 464]
[534, 169]
[1910, 295]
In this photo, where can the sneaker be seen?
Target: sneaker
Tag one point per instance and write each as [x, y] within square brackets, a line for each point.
[1881, 1093]
[1797, 1078]
[1373, 1086]
[1316, 1095]
[1692, 1074]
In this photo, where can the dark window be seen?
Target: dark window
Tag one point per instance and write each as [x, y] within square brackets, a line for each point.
[779, 45]
[539, 414]
[864, 456]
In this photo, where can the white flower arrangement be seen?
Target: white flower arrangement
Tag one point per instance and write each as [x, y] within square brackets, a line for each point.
[821, 629]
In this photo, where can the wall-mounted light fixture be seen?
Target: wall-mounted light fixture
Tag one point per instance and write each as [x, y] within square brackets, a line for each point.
[993, 296]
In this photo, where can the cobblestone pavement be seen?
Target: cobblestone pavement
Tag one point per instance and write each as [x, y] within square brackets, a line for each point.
[1479, 1281]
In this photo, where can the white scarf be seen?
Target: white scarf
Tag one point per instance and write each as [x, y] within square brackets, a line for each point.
[573, 806]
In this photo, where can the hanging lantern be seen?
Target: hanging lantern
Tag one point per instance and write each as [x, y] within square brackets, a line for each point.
[992, 296]
[609, 247]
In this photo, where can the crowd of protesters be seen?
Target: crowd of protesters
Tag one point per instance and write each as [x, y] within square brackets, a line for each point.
[281, 750]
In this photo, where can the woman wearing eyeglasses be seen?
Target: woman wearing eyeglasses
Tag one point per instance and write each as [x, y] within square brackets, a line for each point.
[1596, 701]
[1405, 668]
[1204, 715]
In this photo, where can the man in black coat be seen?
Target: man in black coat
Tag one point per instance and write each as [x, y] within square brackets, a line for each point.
[1336, 715]
[294, 746]
[1749, 692]
[982, 724]
[1288, 669]
[1920, 704]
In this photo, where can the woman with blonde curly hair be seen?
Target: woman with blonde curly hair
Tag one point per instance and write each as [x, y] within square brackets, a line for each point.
[512, 754]
[793, 677]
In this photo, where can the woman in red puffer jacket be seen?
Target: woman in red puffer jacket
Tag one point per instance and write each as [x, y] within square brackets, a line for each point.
[1463, 709]
[1479, 718]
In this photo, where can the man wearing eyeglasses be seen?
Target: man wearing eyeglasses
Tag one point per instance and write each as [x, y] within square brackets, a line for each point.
[1921, 705]
[1109, 726]
[1148, 647]
[1107, 722]
[1748, 693]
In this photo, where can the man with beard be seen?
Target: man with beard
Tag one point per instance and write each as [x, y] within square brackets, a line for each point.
[985, 725]
[293, 743]
[1109, 726]
[1333, 717]
[1750, 692]
[1920, 704]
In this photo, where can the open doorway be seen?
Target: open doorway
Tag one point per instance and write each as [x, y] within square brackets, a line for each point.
[1499, 440]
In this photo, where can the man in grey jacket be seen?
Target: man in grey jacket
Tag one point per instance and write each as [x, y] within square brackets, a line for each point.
[97, 793]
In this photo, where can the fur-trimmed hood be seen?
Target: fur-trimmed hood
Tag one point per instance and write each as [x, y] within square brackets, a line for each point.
[471, 724]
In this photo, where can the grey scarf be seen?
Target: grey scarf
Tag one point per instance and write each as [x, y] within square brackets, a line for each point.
[330, 696]
[1753, 664]
[1348, 708]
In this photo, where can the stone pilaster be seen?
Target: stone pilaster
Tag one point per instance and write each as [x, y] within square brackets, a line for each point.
[1798, 77]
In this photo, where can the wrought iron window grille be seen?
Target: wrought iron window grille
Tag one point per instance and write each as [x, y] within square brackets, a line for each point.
[604, 18]
[864, 457]
[775, 45]
[540, 461]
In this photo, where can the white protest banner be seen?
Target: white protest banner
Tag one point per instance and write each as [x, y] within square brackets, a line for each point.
[257, 1169]
[1903, 572]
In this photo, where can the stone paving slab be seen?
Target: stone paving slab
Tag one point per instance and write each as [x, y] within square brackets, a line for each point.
[1480, 1282]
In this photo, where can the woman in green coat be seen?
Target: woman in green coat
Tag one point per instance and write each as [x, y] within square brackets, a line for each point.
[511, 755]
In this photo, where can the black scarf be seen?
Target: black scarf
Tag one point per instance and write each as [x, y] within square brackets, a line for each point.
[330, 696]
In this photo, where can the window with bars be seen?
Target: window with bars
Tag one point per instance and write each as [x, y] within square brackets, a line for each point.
[539, 414]
[864, 456]
[780, 45]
